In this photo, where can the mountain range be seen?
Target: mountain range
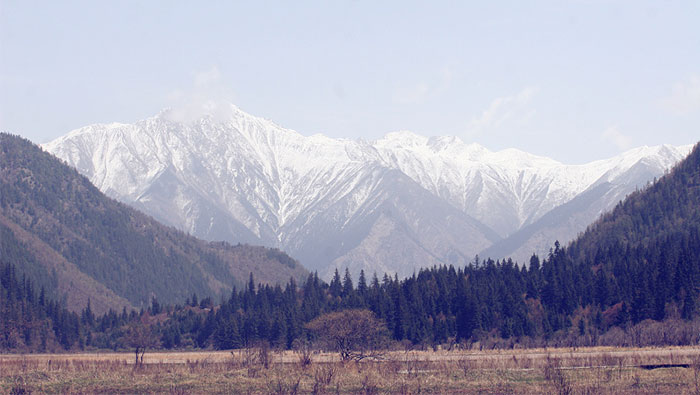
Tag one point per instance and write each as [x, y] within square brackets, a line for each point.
[390, 205]
[78, 245]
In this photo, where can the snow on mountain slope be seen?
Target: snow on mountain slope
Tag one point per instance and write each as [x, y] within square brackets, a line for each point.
[520, 187]
[625, 174]
[334, 202]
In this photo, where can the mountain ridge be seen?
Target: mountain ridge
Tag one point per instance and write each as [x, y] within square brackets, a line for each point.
[237, 177]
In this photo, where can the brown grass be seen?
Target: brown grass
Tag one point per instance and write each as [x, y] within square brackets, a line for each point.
[555, 371]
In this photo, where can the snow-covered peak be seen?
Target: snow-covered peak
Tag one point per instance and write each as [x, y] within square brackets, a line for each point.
[275, 181]
[215, 111]
[401, 139]
[443, 143]
[518, 160]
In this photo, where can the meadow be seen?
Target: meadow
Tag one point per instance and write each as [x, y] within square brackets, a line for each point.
[673, 370]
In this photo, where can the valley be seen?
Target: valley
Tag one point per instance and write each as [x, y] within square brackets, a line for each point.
[349, 197]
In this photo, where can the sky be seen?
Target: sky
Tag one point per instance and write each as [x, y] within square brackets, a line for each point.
[572, 80]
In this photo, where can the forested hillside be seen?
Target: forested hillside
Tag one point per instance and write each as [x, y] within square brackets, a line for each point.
[646, 252]
[80, 245]
[30, 320]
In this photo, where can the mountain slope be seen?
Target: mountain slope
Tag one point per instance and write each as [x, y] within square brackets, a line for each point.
[667, 209]
[55, 221]
[567, 220]
[243, 178]
[641, 260]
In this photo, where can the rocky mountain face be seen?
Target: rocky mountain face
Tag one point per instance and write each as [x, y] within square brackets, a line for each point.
[390, 205]
[79, 245]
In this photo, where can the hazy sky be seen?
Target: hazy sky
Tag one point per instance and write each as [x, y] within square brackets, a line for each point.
[573, 80]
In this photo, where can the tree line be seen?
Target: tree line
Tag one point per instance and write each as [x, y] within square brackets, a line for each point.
[441, 305]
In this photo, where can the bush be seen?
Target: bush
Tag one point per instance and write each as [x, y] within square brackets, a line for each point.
[355, 334]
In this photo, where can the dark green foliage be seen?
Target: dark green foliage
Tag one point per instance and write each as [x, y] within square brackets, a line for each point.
[646, 252]
[29, 322]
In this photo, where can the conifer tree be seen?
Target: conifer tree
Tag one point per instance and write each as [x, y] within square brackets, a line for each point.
[336, 288]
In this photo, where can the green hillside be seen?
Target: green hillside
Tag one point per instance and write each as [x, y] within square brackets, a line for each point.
[79, 244]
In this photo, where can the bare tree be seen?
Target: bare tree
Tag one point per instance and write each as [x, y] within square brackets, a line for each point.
[355, 334]
[303, 347]
[140, 336]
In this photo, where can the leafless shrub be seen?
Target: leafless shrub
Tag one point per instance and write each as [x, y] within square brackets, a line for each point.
[323, 376]
[525, 362]
[650, 333]
[252, 371]
[606, 359]
[263, 350]
[318, 388]
[411, 367]
[236, 361]
[695, 364]
[403, 388]
[637, 381]
[392, 366]
[282, 386]
[368, 386]
[249, 356]
[327, 373]
[615, 336]
[553, 373]
[451, 343]
[140, 337]
[20, 387]
[304, 350]
[620, 366]
[191, 365]
[465, 365]
[355, 334]
[179, 390]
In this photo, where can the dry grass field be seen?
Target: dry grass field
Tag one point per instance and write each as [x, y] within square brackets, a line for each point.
[553, 371]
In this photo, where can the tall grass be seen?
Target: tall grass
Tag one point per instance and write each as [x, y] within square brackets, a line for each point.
[260, 370]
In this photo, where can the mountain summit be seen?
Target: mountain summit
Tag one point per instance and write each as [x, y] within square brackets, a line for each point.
[395, 204]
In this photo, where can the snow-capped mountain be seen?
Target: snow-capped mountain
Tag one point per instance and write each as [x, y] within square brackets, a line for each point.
[395, 204]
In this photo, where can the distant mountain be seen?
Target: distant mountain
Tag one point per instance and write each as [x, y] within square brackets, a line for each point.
[60, 230]
[567, 220]
[394, 204]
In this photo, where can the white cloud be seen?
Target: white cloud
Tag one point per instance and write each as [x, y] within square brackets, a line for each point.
[208, 78]
[208, 96]
[422, 91]
[685, 96]
[619, 140]
[507, 109]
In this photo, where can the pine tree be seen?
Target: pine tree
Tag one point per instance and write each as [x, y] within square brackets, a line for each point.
[348, 289]
[336, 288]
[362, 285]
